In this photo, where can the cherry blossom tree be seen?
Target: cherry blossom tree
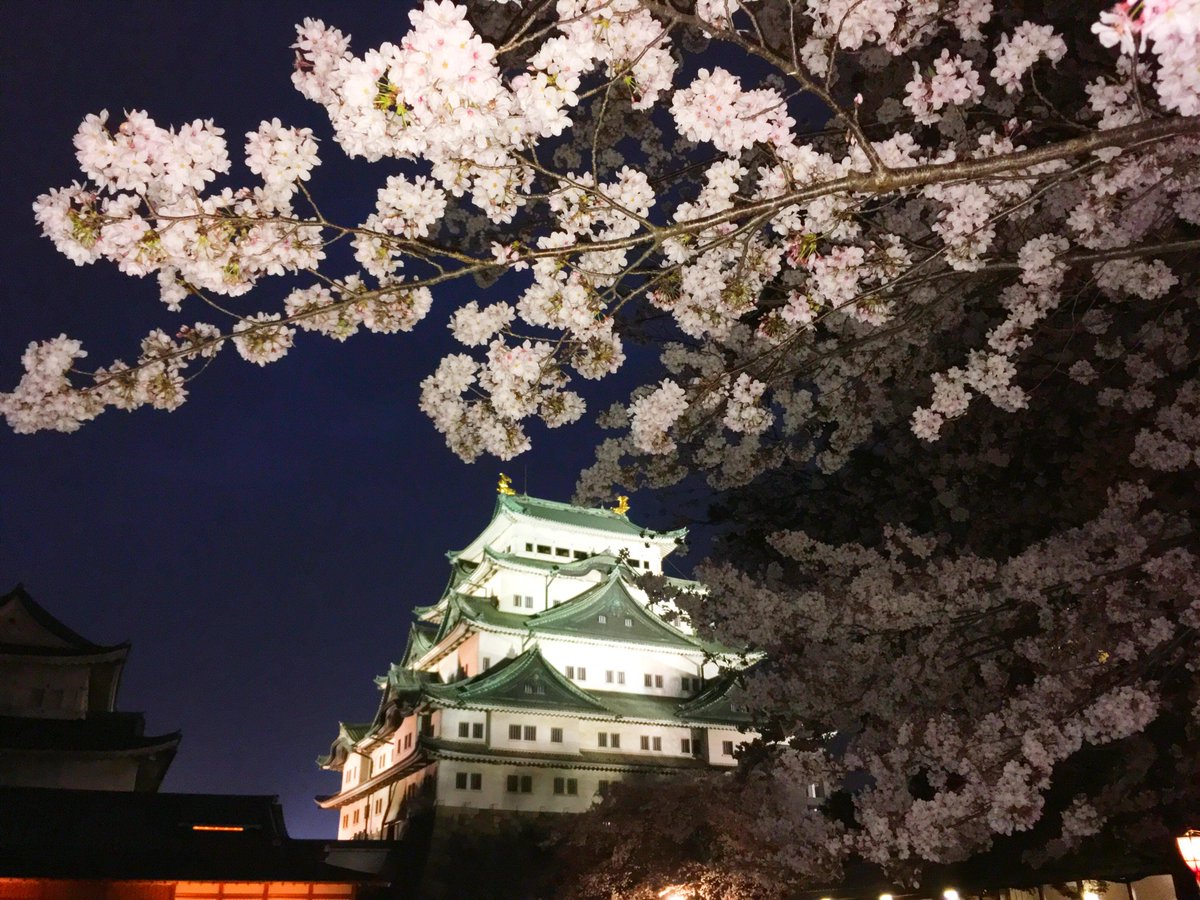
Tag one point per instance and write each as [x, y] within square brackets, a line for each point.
[921, 277]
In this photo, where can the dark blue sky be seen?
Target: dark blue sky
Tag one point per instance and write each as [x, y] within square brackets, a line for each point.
[261, 546]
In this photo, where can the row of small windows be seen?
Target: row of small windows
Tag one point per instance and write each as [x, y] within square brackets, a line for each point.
[688, 684]
[361, 813]
[529, 733]
[523, 784]
[565, 553]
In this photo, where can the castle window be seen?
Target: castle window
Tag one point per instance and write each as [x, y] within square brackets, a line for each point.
[531, 732]
[685, 746]
[562, 551]
[556, 735]
[529, 548]
[649, 681]
[529, 603]
[608, 676]
[658, 682]
[620, 678]
[602, 619]
[727, 748]
[477, 730]
[487, 663]
[542, 548]
[582, 673]
[816, 791]
[602, 739]
[629, 623]
[345, 820]
[602, 787]
[645, 742]
[614, 740]
[514, 732]
[569, 786]
[570, 671]
[460, 781]
[356, 817]
[579, 554]
[464, 729]
[519, 784]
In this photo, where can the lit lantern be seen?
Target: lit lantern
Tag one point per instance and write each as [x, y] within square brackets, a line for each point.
[950, 894]
[1189, 849]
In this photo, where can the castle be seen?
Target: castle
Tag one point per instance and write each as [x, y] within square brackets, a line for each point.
[540, 676]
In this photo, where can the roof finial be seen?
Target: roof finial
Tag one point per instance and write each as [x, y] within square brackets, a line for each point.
[622, 506]
[505, 486]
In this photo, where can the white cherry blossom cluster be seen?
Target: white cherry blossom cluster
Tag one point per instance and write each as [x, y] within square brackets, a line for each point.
[281, 156]
[953, 82]
[1016, 53]
[1168, 27]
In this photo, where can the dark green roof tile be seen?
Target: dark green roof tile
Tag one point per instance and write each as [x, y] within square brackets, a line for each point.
[624, 618]
[526, 681]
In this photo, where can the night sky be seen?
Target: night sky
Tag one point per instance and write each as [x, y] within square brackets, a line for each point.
[261, 546]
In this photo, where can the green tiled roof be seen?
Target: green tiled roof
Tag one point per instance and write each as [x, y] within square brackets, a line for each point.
[578, 516]
[420, 639]
[715, 703]
[401, 679]
[486, 611]
[625, 619]
[524, 681]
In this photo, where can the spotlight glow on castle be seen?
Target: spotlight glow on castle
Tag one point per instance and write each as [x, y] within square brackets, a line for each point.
[540, 677]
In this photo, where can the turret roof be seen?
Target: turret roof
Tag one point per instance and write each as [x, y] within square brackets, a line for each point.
[27, 628]
[578, 516]
[348, 735]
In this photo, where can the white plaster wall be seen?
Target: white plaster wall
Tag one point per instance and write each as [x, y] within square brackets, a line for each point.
[496, 647]
[500, 722]
[494, 794]
[717, 736]
[451, 719]
[598, 659]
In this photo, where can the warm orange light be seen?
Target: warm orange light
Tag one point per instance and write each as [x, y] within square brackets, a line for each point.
[217, 828]
[1189, 849]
